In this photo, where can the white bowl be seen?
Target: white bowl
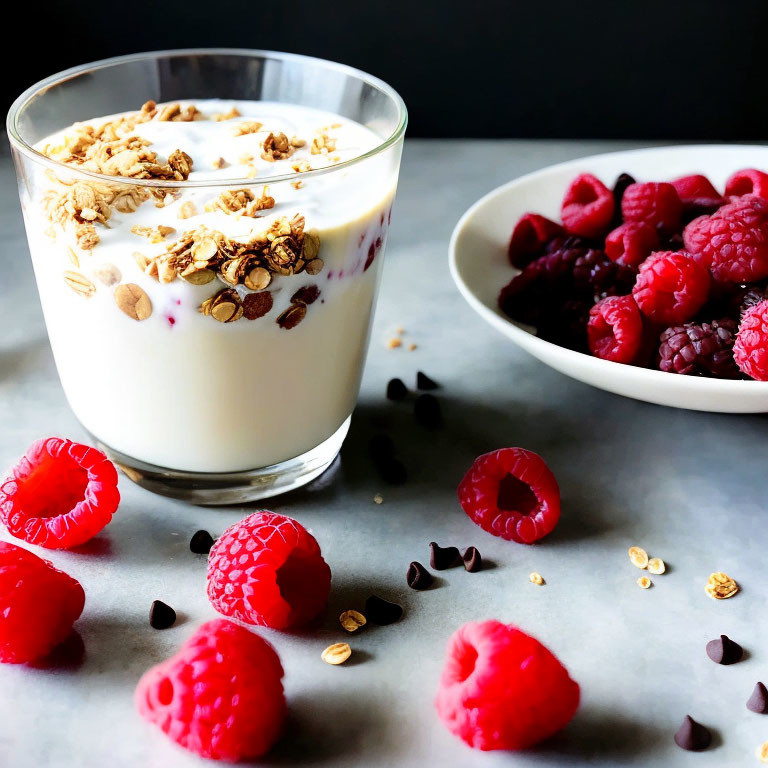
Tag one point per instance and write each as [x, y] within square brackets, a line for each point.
[480, 268]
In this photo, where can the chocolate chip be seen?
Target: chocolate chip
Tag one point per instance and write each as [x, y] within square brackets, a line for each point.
[441, 558]
[472, 560]
[418, 577]
[692, 736]
[424, 382]
[161, 615]
[381, 447]
[758, 701]
[201, 542]
[724, 650]
[396, 390]
[426, 409]
[306, 294]
[380, 611]
[391, 470]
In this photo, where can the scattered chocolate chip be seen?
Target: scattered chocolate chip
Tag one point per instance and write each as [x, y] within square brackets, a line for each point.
[426, 409]
[256, 305]
[201, 542]
[391, 471]
[306, 294]
[161, 615]
[418, 577]
[382, 612]
[441, 558]
[381, 447]
[692, 736]
[758, 701]
[724, 650]
[396, 390]
[473, 562]
[424, 382]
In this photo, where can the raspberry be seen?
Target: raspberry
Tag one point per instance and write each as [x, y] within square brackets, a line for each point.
[502, 689]
[615, 329]
[733, 242]
[750, 351]
[511, 493]
[696, 189]
[700, 349]
[38, 605]
[654, 203]
[747, 182]
[220, 696]
[60, 494]
[268, 570]
[631, 243]
[671, 287]
[587, 207]
[531, 234]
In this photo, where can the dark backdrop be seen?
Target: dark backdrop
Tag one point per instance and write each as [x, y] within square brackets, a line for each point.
[696, 69]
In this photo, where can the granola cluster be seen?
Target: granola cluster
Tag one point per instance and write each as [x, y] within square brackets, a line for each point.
[241, 202]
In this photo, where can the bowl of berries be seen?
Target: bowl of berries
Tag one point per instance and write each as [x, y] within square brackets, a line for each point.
[643, 273]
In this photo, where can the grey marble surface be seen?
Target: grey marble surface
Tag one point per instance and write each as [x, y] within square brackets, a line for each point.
[690, 487]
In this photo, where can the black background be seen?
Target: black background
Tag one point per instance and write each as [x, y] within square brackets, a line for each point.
[490, 68]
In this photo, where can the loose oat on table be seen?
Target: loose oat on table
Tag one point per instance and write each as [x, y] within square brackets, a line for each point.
[762, 752]
[394, 343]
[79, 284]
[536, 578]
[133, 301]
[720, 586]
[107, 274]
[352, 620]
[638, 557]
[644, 582]
[337, 653]
[73, 257]
[656, 566]
[378, 499]
[412, 347]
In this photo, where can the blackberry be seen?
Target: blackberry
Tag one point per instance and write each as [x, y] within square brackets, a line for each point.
[703, 349]
[566, 325]
[595, 276]
[750, 296]
[619, 188]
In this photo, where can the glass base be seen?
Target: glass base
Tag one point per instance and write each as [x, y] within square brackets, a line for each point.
[231, 487]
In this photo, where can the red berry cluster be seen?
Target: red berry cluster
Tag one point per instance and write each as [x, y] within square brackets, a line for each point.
[668, 275]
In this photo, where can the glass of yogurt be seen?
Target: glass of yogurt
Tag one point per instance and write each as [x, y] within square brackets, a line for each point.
[207, 230]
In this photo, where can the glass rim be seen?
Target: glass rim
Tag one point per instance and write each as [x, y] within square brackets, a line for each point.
[39, 87]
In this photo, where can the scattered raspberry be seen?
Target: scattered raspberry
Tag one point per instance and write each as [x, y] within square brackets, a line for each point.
[700, 349]
[587, 207]
[750, 351]
[631, 243]
[671, 287]
[654, 203]
[38, 605]
[267, 569]
[530, 236]
[60, 494]
[615, 329]
[747, 182]
[511, 493]
[733, 242]
[221, 696]
[502, 689]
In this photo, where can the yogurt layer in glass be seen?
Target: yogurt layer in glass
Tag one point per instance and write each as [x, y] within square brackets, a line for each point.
[207, 269]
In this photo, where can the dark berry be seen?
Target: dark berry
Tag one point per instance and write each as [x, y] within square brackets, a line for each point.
[700, 349]
[565, 324]
[619, 188]
[531, 235]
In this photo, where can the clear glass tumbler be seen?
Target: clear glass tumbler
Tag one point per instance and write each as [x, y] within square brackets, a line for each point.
[217, 385]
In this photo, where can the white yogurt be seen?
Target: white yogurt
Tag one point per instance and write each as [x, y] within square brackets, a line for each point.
[179, 389]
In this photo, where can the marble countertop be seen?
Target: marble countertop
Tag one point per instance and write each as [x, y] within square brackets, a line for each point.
[689, 487]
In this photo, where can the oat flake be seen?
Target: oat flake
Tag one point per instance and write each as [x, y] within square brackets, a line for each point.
[638, 556]
[337, 653]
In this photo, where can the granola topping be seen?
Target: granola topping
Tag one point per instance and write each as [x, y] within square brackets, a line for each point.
[277, 147]
[241, 202]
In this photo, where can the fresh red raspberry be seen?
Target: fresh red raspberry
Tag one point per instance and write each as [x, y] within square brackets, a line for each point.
[671, 287]
[220, 696]
[699, 349]
[38, 605]
[733, 242]
[511, 493]
[695, 187]
[750, 351]
[631, 243]
[615, 329]
[268, 570]
[747, 182]
[531, 234]
[587, 207]
[60, 494]
[502, 689]
[654, 203]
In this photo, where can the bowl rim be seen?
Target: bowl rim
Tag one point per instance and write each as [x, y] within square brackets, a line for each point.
[528, 341]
